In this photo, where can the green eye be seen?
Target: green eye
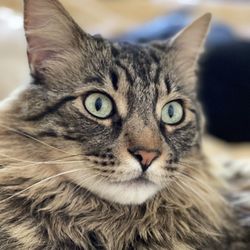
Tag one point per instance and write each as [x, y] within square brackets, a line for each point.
[99, 105]
[172, 113]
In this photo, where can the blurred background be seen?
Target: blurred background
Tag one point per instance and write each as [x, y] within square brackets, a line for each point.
[225, 67]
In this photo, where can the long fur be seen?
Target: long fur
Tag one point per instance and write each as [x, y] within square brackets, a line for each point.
[60, 167]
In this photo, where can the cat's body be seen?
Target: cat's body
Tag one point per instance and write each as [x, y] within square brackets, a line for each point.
[125, 171]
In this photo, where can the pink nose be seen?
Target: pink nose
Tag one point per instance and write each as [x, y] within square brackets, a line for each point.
[145, 157]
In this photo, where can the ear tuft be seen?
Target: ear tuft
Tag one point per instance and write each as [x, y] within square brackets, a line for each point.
[49, 30]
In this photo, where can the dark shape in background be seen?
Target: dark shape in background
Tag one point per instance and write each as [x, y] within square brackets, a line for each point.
[225, 90]
[224, 76]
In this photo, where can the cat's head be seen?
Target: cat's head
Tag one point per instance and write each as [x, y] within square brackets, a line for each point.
[128, 113]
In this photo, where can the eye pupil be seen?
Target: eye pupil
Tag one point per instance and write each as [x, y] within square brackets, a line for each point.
[171, 111]
[98, 104]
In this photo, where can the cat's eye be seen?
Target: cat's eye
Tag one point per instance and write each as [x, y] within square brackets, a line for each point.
[172, 113]
[98, 105]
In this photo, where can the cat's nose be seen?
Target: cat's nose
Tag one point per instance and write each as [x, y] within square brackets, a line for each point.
[145, 157]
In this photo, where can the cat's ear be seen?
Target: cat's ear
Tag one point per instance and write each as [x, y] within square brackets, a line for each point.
[49, 29]
[189, 42]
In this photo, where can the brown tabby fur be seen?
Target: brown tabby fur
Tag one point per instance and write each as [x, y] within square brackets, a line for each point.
[45, 146]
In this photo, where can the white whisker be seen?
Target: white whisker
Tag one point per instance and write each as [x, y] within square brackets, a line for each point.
[40, 182]
[182, 183]
[33, 138]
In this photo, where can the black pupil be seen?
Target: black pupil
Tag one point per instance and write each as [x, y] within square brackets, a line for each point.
[98, 104]
[171, 111]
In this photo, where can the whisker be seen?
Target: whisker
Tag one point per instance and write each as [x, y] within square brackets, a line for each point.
[85, 180]
[89, 176]
[195, 170]
[38, 183]
[189, 165]
[193, 179]
[15, 159]
[33, 163]
[197, 195]
[31, 137]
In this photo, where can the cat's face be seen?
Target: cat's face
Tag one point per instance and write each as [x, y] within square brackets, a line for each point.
[128, 112]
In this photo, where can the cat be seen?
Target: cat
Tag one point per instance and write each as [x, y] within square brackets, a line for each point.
[102, 150]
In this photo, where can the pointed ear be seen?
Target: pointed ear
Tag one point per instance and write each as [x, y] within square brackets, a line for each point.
[189, 42]
[49, 29]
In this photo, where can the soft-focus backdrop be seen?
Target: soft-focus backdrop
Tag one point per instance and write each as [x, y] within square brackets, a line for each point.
[114, 18]
[108, 17]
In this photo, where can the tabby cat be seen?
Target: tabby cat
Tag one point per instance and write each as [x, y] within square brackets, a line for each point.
[102, 150]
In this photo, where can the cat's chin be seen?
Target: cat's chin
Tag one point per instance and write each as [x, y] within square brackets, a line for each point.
[132, 192]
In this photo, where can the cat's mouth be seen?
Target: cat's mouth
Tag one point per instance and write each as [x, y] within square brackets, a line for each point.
[138, 181]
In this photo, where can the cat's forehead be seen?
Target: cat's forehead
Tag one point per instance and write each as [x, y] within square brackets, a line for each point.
[143, 67]
[138, 69]
[141, 63]
[135, 68]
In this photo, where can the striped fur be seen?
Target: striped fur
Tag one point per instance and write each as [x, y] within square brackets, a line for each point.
[67, 178]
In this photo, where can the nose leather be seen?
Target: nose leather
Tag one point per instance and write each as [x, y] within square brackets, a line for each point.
[145, 157]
